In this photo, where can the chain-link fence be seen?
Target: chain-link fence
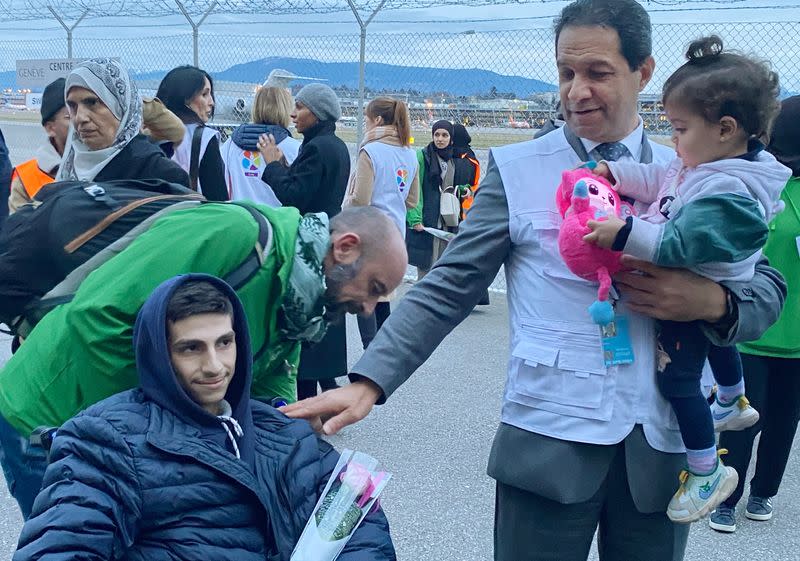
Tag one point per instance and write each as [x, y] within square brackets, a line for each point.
[501, 84]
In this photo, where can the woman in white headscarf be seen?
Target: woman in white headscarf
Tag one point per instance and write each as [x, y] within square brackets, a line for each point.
[105, 140]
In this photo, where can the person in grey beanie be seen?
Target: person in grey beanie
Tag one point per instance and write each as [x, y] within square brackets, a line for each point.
[321, 100]
[315, 182]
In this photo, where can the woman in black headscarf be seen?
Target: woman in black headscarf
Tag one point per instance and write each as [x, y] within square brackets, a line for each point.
[438, 173]
[467, 166]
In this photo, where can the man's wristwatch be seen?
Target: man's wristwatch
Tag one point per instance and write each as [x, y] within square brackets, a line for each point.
[731, 317]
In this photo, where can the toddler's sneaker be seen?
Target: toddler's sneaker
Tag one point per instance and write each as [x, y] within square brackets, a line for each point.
[723, 519]
[736, 415]
[759, 508]
[699, 494]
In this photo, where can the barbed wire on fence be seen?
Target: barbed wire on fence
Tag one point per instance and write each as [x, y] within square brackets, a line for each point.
[379, 20]
[32, 9]
[21, 10]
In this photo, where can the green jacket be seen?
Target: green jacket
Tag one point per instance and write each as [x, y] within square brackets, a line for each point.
[783, 250]
[81, 352]
[414, 215]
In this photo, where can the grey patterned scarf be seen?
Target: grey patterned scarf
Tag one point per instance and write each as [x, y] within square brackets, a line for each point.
[304, 301]
[110, 81]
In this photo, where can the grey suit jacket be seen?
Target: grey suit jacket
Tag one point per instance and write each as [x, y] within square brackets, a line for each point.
[530, 461]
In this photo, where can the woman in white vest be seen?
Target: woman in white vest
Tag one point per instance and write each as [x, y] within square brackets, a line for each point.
[386, 177]
[188, 92]
[243, 162]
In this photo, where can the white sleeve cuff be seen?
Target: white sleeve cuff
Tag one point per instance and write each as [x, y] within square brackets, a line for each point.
[644, 240]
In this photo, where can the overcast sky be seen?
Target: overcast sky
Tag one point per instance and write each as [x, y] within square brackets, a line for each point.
[495, 45]
[664, 11]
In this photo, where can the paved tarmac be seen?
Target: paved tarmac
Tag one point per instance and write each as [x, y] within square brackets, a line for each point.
[435, 434]
[24, 137]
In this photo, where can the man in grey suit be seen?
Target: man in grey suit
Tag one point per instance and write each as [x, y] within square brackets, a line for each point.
[584, 444]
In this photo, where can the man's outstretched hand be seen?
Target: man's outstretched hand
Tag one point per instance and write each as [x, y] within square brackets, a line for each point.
[341, 407]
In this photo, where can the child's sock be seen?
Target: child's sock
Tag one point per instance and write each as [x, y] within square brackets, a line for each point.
[727, 394]
[702, 462]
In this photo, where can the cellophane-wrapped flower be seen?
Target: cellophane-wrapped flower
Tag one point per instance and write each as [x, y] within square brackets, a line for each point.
[350, 494]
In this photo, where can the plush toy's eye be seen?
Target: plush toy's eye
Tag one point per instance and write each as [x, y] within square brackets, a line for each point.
[593, 189]
[611, 200]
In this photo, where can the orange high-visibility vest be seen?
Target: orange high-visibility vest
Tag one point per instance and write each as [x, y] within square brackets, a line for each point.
[469, 198]
[31, 176]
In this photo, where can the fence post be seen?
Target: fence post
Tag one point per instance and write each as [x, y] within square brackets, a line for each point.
[69, 29]
[362, 61]
[196, 28]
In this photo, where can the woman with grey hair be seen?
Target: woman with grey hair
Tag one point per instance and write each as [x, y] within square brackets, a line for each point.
[105, 141]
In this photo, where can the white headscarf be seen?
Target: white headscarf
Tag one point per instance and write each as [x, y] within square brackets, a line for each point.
[110, 81]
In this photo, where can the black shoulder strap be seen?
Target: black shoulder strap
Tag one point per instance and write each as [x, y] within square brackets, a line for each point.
[237, 278]
[647, 150]
[576, 144]
[194, 158]
[250, 266]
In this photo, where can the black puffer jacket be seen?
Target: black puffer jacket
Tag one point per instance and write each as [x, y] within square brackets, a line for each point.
[246, 136]
[178, 497]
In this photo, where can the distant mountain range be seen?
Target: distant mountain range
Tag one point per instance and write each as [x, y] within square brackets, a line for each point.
[379, 77]
[390, 77]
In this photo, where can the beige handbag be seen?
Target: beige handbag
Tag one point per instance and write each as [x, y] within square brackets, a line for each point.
[159, 123]
[449, 207]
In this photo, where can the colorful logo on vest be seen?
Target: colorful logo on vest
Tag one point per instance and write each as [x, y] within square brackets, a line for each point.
[402, 178]
[251, 161]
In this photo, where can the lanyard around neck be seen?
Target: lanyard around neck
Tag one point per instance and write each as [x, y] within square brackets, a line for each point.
[576, 144]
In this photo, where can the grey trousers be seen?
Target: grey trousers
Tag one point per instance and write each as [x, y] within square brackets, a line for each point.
[529, 527]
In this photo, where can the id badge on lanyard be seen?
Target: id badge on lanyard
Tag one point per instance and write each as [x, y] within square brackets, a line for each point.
[616, 338]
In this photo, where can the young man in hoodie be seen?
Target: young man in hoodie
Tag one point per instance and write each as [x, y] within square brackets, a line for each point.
[294, 274]
[187, 465]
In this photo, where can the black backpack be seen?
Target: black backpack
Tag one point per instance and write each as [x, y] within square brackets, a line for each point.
[68, 223]
[72, 228]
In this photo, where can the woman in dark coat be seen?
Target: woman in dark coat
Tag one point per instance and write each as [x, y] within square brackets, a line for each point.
[188, 92]
[315, 182]
[440, 169]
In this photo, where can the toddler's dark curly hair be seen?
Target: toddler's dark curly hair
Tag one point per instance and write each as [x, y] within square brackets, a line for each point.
[716, 83]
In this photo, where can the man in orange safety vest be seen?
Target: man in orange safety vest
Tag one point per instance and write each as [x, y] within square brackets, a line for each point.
[28, 177]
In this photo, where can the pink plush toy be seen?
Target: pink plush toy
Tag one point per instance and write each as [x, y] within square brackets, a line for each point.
[583, 196]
